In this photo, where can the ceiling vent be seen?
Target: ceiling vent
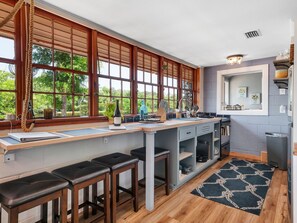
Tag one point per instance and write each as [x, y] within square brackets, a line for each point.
[253, 34]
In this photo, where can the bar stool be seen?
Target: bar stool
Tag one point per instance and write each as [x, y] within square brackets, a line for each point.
[118, 163]
[160, 154]
[81, 176]
[25, 193]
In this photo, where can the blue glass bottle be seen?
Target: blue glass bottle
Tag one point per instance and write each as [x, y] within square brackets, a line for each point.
[143, 111]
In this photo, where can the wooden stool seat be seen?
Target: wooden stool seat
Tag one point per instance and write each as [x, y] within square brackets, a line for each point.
[159, 154]
[22, 194]
[82, 175]
[118, 163]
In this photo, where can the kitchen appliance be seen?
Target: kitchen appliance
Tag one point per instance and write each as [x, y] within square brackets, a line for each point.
[202, 151]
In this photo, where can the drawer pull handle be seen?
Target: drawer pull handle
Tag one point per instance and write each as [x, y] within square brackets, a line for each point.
[189, 133]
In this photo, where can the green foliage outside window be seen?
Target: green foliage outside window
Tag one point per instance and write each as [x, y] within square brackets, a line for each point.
[8, 96]
[71, 98]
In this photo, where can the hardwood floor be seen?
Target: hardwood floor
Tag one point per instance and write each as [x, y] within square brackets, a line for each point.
[183, 207]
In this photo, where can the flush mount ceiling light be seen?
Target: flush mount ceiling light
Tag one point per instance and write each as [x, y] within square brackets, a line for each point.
[234, 59]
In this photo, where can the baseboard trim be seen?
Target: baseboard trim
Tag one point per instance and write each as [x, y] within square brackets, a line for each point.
[262, 157]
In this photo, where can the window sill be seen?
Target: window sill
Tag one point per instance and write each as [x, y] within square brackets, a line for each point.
[15, 124]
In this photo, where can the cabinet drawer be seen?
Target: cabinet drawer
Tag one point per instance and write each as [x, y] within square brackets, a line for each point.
[187, 132]
[204, 128]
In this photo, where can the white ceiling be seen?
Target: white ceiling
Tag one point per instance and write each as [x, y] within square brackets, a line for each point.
[200, 32]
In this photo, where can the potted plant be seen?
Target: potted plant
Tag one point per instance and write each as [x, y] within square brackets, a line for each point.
[109, 111]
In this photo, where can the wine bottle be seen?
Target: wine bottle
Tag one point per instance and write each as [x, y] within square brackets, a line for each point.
[117, 118]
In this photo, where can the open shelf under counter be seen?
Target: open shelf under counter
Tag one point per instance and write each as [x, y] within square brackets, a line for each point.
[185, 176]
[199, 165]
[216, 156]
[216, 139]
[185, 155]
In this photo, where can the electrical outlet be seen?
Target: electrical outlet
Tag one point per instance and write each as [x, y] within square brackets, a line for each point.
[282, 91]
[282, 109]
[105, 140]
[9, 157]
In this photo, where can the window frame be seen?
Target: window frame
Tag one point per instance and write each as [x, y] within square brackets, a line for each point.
[92, 72]
[73, 27]
[17, 58]
[121, 63]
[151, 70]
[166, 63]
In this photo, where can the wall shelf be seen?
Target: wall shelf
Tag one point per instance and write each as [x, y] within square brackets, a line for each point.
[282, 83]
[282, 64]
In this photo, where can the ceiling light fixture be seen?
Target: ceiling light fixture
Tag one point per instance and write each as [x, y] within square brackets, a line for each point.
[234, 59]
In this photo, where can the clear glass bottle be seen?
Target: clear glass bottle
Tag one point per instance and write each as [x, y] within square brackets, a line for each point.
[117, 118]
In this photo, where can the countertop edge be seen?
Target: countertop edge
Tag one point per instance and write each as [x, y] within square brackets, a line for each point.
[132, 128]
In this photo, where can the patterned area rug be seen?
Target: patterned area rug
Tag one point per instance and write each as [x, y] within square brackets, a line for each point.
[239, 184]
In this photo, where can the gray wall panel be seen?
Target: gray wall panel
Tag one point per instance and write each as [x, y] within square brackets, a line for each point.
[248, 132]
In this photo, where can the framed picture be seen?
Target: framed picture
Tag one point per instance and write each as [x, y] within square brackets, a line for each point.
[242, 91]
[255, 98]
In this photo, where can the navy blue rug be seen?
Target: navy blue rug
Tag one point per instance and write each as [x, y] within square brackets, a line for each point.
[240, 184]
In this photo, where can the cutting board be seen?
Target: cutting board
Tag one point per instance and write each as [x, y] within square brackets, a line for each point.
[162, 113]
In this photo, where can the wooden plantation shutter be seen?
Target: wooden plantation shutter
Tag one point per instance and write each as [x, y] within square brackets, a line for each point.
[148, 79]
[43, 31]
[170, 82]
[61, 36]
[8, 30]
[112, 51]
[114, 73]
[188, 84]
[147, 62]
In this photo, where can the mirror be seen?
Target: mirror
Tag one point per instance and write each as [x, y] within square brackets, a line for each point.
[243, 91]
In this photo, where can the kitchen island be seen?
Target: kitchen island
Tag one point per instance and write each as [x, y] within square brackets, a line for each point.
[82, 139]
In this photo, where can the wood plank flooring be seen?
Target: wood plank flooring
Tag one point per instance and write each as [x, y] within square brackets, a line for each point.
[183, 207]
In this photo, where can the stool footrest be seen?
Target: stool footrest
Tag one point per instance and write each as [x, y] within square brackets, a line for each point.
[125, 190]
[88, 203]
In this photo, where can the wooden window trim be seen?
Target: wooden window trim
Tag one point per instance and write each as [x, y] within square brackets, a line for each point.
[111, 60]
[92, 71]
[151, 70]
[166, 62]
